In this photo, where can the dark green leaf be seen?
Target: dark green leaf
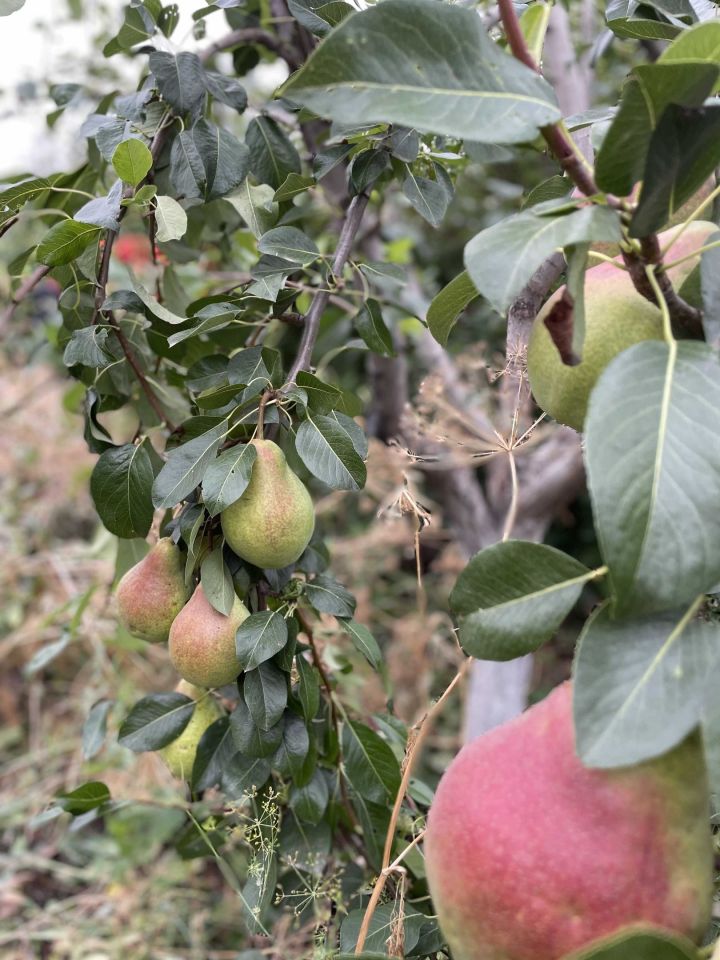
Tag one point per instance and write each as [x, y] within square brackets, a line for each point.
[428, 197]
[309, 801]
[328, 596]
[328, 452]
[370, 764]
[318, 16]
[308, 688]
[404, 144]
[272, 154]
[447, 306]
[322, 397]
[226, 90]
[368, 69]
[370, 325]
[257, 207]
[244, 775]
[180, 79]
[251, 739]
[381, 928]
[640, 684]
[214, 753]
[155, 721]
[363, 641]
[103, 211]
[65, 241]
[651, 944]
[87, 347]
[121, 488]
[186, 466]
[652, 449]
[260, 637]
[293, 185]
[265, 691]
[94, 728]
[367, 167]
[207, 161]
[293, 750]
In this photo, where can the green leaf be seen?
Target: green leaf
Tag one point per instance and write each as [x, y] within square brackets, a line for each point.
[132, 161]
[652, 450]
[512, 597]
[207, 161]
[308, 688]
[428, 197]
[88, 797]
[635, 944]
[326, 595]
[370, 765]
[381, 929]
[266, 691]
[321, 397]
[370, 325]
[501, 259]
[272, 154]
[121, 488]
[289, 243]
[328, 452]
[155, 721]
[256, 205]
[367, 69]
[293, 185]
[227, 477]
[710, 287]
[711, 739]
[102, 211]
[186, 466]
[180, 79]
[65, 241]
[290, 757]
[684, 150]
[243, 776]
[260, 637]
[640, 684]
[170, 218]
[309, 802]
[363, 641]
[318, 16]
[156, 308]
[367, 167]
[94, 728]
[217, 583]
[447, 306]
[214, 753]
[226, 90]
[87, 346]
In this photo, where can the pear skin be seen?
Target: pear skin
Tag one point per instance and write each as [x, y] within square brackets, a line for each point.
[272, 522]
[153, 592]
[616, 317]
[532, 856]
[179, 755]
[202, 641]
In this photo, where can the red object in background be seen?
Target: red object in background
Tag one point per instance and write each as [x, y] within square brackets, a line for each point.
[133, 249]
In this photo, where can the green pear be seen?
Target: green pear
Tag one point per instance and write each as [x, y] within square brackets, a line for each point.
[202, 641]
[272, 522]
[179, 754]
[153, 592]
[531, 856]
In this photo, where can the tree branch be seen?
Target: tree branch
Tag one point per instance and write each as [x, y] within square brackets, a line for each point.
[351, 224]
[26, 287]
[132, 359]
[255, 35]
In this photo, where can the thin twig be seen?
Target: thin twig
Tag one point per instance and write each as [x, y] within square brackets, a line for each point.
[132, 359]
[26, 287]
[255, 35]
[417, 737]
[353, 219]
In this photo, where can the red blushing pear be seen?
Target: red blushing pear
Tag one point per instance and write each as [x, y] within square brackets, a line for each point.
[530, 855]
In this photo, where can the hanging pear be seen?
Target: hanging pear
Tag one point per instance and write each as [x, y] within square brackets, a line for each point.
[532, 856]
[272, 522]
[153, 592]
[202, 641]
[179, 754]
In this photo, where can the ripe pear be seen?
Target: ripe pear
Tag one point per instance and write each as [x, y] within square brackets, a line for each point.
[153, 592]
[616, 317]
[179, 755]
[530, 855]
[272, 522]
[202, 641]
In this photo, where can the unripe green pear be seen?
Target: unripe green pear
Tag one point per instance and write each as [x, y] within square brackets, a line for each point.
[153, 592]
[272, 522]
[531, 856]
[202, 641]
[616, 317]
[179, 754]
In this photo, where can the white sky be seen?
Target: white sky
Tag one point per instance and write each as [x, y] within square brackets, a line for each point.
[39, 42]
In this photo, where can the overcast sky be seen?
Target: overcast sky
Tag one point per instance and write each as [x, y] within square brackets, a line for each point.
[39, 46]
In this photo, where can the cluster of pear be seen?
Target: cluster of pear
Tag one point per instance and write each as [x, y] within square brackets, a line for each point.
[616, 317]
[532, 856]
[269, 526]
